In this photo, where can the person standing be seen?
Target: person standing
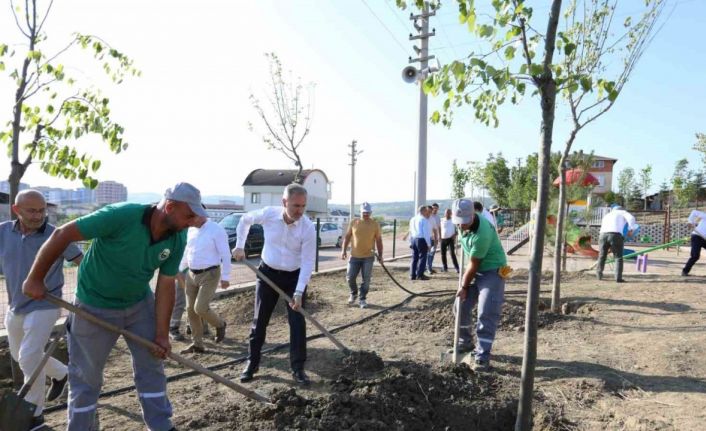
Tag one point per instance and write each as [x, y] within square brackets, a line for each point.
[698, 239]
[420, 241]
[611, 238]
[207, 258]
[435, 225]
[29, 323]
[481, 283]
[485, 213]
[363, 234]
[288, 260]
[130, 242]
[179, 307]
[448, 241]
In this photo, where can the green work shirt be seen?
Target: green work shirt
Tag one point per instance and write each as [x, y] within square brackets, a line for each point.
[485, 245]
[122, 258]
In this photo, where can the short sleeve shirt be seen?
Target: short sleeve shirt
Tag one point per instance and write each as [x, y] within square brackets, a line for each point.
[484, 244]
[363, 235]
[17, 254]
[122, 258]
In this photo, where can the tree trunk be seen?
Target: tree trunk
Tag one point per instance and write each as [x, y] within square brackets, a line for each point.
[547, 91]
[558, 242]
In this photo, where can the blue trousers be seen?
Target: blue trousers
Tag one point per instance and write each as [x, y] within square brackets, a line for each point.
[488, 291]
[419, 258]
[356, 265]
[430, 257]
[89, 347]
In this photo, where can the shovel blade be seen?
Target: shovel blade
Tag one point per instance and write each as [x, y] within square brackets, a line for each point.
[16, 414]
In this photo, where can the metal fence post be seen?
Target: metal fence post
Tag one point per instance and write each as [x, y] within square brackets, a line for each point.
[318, 240]
[394, 237]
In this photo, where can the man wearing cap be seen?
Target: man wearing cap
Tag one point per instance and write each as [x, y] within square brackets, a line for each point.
[419, 242]
[363, 233]
[497, 214]
[481, 282]
[288, 260]
[29, 323]
[611, 238]
[130, 242]
[435, 225]
[207, 257]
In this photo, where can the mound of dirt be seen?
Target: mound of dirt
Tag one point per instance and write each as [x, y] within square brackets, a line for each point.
[361, 362]
[239, 308]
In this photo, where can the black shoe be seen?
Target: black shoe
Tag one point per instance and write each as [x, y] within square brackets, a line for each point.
[620, 280]
[193, 349]
[248, 372]
[220, 333]
[684, 274]
[480, 365]
[188, 329]
[431, 271]
[301, 377]
[423, 277]
[37, 423]
[56, 388]
[444, 270]
[599, 275]
[175, 335]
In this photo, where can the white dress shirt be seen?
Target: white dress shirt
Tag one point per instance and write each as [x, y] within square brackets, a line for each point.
[419, 228]
[207, 246]
[615, 221]
[448, 228]
[288, 247]
[490, 217]
[698, 219]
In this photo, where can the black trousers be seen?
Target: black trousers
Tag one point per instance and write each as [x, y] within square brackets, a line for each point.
[448, 243]
[265, 301]
[697, 243]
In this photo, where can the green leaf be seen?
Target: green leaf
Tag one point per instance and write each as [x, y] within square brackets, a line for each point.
[34, 55]
[2, 66]
[435, 117]
[586, 83]
[569, 48]
[536, 69]
[3, 49]
[486, 31]
[510, 52]
[612, 95]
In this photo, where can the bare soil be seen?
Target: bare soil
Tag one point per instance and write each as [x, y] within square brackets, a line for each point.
[622, 356]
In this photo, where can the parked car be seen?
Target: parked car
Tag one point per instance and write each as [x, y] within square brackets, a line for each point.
[256, 235]
[330, 235]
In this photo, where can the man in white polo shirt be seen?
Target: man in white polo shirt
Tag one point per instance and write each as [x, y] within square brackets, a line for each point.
[698, 239]
[611, 238]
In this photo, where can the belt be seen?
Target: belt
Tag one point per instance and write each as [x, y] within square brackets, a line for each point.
[266, 267]
[201, 271]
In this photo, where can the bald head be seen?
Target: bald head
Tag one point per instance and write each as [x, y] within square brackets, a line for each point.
[29, 195]
[31, 210]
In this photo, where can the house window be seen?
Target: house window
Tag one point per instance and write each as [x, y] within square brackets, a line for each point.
[601, 180]
[255, 198]
[598, 164]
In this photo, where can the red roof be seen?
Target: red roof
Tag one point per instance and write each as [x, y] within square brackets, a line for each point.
[573, 176]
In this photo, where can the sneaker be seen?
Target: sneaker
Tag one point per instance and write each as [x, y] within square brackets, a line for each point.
[363, 303]
[37, 423]
[175, 334]
[351, 299]
[480, 365]
[56, 388]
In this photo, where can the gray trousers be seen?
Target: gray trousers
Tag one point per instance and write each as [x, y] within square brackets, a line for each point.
[356, 265]
[614, 242]
[179, 304]
[89, 347]
[488, 291]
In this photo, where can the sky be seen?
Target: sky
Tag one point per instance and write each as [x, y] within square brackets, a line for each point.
[186, 118]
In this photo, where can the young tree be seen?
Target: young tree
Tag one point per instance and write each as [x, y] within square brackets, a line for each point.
[50, 112]
[459, 179]
[700, 146]
[287, 117]
[626, 183]
[588, 44]
[645, 182]
[476, 177]
[496, 176]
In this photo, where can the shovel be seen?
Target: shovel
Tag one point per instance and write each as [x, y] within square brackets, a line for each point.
[152, 346]
[16, 414]
[306, 314]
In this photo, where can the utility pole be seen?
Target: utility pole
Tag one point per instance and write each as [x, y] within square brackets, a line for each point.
[354, 158]
[421, 24]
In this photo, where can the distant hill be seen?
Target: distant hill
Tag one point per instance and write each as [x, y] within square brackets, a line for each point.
[145, 198]
[400, 209]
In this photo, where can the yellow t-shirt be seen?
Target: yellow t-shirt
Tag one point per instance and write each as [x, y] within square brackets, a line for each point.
[364, 233]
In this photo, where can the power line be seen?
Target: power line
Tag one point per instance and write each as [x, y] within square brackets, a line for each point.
[388, 30]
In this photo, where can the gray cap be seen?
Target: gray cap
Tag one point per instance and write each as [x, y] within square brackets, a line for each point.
[185, 192]
[462, 212]
[366, 208]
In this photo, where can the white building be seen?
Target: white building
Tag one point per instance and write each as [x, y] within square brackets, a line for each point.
[109, 192]
[264, 187]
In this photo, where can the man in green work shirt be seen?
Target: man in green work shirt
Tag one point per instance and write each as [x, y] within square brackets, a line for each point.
[130, 242]
[481, 282]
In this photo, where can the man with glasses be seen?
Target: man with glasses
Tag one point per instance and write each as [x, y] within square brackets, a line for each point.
[29, 323]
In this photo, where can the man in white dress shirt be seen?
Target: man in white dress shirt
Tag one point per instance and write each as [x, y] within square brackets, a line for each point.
[611, 238]
[288, 260]
[419, 241]
[208, 258]
[698, 239]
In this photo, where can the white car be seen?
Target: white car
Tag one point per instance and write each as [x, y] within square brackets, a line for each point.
[330, 235]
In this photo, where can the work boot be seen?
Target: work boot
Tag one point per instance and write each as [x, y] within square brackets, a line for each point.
[248, 372]
[220, 333]
[351, 299]
[56, 388]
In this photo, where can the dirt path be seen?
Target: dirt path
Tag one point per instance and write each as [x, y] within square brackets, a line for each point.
[627, 356]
